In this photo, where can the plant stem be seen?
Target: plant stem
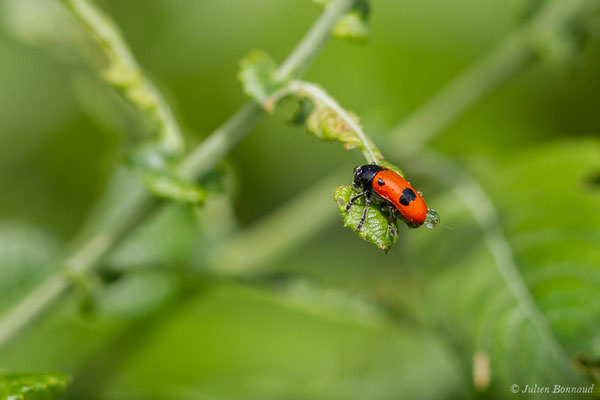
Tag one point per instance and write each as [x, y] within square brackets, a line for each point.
[125, 75]
[80, 261]
[252, 250]
[477, 202]
[511, 57]
[468, 88]
[516, 53]
[500, 65]
[225, 137]
[214, 147]
[304, 53]
[369, 150]
[88, 256]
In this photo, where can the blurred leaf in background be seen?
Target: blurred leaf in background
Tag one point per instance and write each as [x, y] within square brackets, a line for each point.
[549, 240]
[33, 386]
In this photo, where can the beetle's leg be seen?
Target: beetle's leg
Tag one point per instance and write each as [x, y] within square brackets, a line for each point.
[391, 216]
[390, 227]
[364, 215]
[352, 200]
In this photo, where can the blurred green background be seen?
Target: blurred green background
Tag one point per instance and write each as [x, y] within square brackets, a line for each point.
[333, 317]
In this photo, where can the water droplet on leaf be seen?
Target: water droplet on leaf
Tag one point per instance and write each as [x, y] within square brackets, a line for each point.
[433, 219]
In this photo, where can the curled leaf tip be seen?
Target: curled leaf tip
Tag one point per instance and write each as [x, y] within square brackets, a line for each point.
[257, 76]
[327, 125]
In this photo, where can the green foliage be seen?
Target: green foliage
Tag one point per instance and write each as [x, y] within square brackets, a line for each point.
[257, 75]
[33, 386]
[124, 75]
[391, 166]
[327, 125]
[150, 248]
[27, 254]
[159, 175]
[130, 83]
[170, 186]
[549, 222]
[330, 122]
[294, 110]
[375, 228]
[136, 294]
[437, 302]
[300, 101]
[352, 27]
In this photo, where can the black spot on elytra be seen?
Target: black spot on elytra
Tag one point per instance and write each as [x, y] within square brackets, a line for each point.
[380, 182]
[407, 196]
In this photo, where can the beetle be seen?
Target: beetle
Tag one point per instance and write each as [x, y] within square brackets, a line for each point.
[392, 192]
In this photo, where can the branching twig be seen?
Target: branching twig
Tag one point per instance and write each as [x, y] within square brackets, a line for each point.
[516, 53]
[252, 250]
[92, 251]
[125, 75]
[475, 199]
[502, 63]
[317, 94]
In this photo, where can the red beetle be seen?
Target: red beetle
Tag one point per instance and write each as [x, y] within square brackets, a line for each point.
[392, 192]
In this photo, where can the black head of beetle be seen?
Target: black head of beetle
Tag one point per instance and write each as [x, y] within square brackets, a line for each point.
[364, 174]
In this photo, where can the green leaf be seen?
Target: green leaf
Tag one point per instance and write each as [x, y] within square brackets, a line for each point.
[158, 171]
[375, 228]
[27, 255]
[169, 186]
[294, 110]
[396, 359]
[548, 239]
[327, 125]
[353, 26]
[330, 122]
[257, 75]
[391, 166]
[136, 294]
[170, 239]
[557, 48]
[33, 386]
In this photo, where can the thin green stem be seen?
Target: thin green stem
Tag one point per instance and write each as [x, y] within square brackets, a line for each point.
[455, 99]
[248, 252]
[515, 54]
[500, 65]
[304, 53]
[253, 249]
[124, 74]
[475, 199]
[214, 147]
[84, 258]
[369, 150]
[306, 89]
[511, 57]
[225, 137]
[88, 256]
